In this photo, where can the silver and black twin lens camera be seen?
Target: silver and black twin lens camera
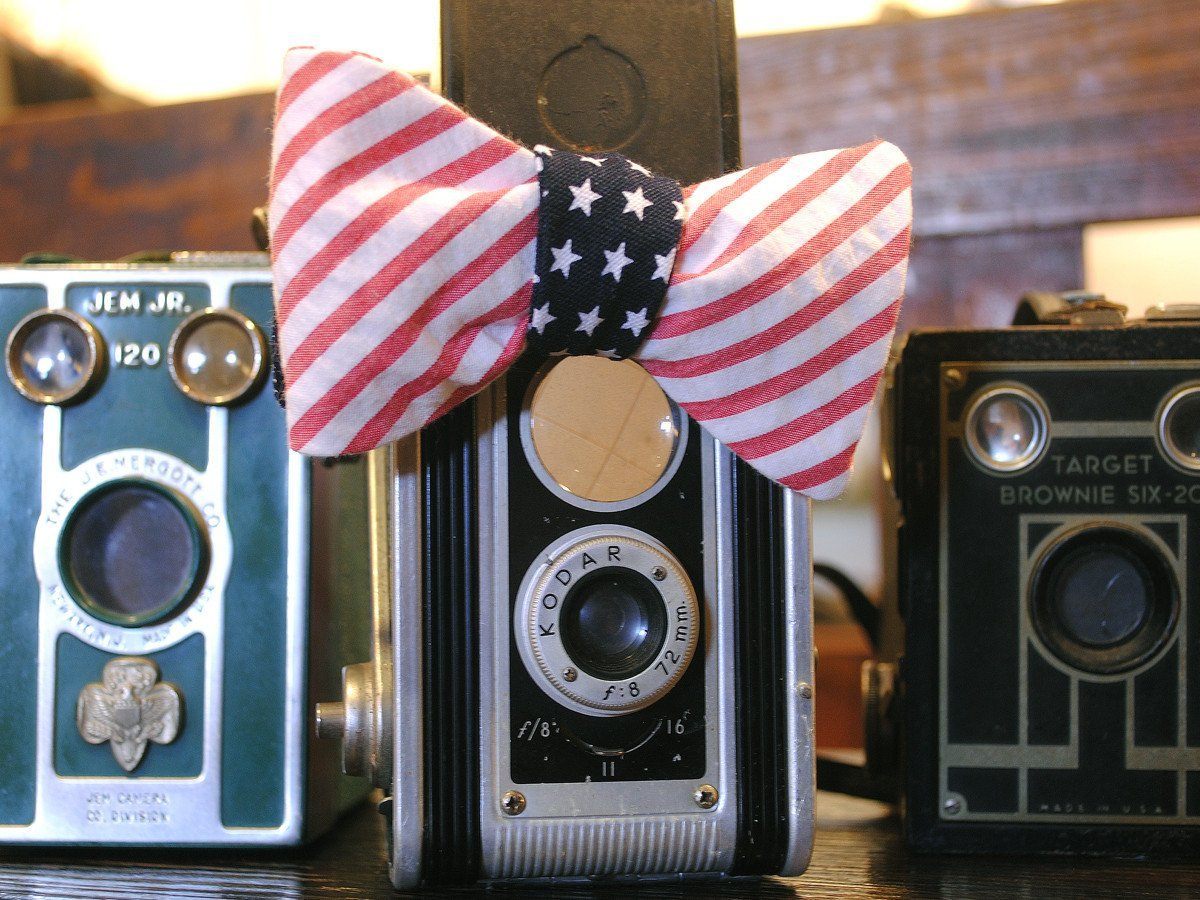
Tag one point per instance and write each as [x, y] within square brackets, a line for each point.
[1048, 479]
[165, 560]
[597, 659]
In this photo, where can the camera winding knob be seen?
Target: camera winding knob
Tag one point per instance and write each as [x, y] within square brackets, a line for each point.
[608, 621]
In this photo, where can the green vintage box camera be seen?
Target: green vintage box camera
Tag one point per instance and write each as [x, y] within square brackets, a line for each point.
[165, 561]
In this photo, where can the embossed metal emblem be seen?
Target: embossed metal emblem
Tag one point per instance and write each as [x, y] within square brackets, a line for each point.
[128, 707]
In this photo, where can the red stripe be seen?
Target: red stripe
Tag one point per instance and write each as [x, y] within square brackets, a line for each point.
[306, 76]
[702, 216]
[795, 265]
[822, 472]
[797, 377]
[362, 101]
[871, 270]
[513, 349]
[391, 276]
[382, 211]
[373, 433]
[812, 422]
[354, 382]
[784, 207]
[358, 167]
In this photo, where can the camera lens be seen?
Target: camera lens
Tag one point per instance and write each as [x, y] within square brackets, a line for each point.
[1101, 596]
[53, 356]
[1179, 428]
[1104, 599]
[1006, 428]
[217, 356]
[600, 430]
[613, 623]
[608, 621]
[132, 553]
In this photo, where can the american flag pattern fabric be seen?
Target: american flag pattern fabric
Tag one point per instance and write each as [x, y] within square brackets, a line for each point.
[403, 242]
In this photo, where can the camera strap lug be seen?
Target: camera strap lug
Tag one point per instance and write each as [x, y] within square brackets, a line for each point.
[1068, 308]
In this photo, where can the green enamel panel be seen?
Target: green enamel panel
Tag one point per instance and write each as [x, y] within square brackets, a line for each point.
[20, 463]
[80, 664]
[137, 391]
[252, 755]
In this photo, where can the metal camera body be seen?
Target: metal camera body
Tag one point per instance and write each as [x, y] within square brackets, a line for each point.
[165, 561]
[500, 770]
[1048, 532]
[511, 746]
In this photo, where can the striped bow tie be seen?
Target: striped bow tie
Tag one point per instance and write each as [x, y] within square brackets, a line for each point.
[417, 252]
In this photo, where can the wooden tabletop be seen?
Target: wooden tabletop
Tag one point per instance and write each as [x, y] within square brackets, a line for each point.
[858, 854]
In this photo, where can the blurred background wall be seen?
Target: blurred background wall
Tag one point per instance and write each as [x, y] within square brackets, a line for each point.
[164, 52]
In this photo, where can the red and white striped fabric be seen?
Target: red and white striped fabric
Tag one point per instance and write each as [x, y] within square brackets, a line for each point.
[403, 239]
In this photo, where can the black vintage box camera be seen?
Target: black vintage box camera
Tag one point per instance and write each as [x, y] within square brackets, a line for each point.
[1048, 481]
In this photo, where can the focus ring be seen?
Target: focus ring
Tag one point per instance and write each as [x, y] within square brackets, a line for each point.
[623, 553]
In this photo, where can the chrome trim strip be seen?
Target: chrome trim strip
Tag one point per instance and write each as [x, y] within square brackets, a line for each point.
[408, 781]
[801, 784]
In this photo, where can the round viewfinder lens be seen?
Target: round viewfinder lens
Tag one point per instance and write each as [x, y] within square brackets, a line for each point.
[53, 356]
[217, 356]
[1179, 431]
[1006, 430]
[602, 430]
[133, 553]
[613, 623]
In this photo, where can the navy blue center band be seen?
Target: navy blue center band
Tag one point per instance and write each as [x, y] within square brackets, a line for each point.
[607, 234]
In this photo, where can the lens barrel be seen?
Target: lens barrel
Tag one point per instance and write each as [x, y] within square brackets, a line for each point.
[132, 553]
[608, 621]
[1104, 598]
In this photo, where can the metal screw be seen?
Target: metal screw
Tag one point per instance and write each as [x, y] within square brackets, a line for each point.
[512, 803]
[953, 806]
[706, 796]
[659, 573]
[954, 379]
[569, 674]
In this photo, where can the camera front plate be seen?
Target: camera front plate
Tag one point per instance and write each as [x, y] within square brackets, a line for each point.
[1034, 727]
[190, 805]
[573, 799]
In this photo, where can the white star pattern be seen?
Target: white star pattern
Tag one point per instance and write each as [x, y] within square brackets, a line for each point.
[541, 318]
[638, 168]
[636, 321]
[589, 320]
[617, 260]
[595, 161]
[584, 197]
[564, 258]
[663, 265]
[636, 203]
[542, 148]
[611, 354]
[679, 213]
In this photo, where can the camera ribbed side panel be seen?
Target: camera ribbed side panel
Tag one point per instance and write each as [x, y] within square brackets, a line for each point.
[451, 652]
[570, 847]
[759, 621]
